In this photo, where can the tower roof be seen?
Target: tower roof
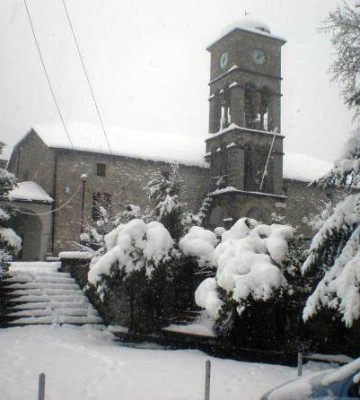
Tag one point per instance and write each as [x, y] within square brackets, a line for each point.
[248, 25]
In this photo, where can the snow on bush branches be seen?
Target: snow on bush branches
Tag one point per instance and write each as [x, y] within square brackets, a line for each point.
[248, 262]
[336, 250]
[10, 243]
[132, 247]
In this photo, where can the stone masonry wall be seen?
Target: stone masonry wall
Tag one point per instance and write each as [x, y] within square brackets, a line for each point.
[32, 160]
[125, 181]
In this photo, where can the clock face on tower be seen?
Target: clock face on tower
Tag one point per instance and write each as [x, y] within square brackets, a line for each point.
[259, 56]
[224, 58]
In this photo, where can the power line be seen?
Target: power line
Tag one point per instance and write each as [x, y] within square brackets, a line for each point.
[47, 75]
[52, 211]
[87, 77]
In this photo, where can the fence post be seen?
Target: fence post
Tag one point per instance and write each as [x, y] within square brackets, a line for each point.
[300, 362]
[207, 379]
[41, 386]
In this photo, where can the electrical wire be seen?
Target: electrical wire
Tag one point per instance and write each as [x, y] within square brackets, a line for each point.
[87, 77]
[47, 75]
[51, 211]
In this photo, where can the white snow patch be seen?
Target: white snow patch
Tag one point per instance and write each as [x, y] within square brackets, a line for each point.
[303, 167]
[76, 254]
[29, 191]
[126, 142]
[202, 326]
[199, 243]
[84, 363]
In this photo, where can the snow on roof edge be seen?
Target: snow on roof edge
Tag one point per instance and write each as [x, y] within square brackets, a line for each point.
[304, 167]
[126, 142]
[29, 191]
[235, 27]
[297, 166]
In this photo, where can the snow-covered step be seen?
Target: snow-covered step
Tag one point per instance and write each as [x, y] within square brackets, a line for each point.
[38, 275]
[46, 312]
[53, 304]
[57, 319]
[38, 293]
[36, 285]
[45, 290]
[43, 297]
[48, 278]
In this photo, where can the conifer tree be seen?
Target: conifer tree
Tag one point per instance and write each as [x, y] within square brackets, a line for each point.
[164, 189]
[10, 243]
[334, 255]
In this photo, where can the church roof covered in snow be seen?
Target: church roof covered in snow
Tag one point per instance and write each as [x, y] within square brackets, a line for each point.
[126, 142]
[30, 191]
[147, 145]
[303, 167]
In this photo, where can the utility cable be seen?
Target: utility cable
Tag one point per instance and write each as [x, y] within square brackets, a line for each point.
[52, 211]
[47, 75]
[87, 77]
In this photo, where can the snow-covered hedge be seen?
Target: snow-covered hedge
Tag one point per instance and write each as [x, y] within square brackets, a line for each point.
[248, 262]
[132, 247]
[199, 243]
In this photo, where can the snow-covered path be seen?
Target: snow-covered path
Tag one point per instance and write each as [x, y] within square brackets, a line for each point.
[82, 363]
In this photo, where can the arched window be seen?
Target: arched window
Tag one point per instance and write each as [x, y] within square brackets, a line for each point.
[257, 102]
[249, 106]
[225, 108]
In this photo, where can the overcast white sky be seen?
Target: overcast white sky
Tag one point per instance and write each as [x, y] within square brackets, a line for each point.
[149, 67]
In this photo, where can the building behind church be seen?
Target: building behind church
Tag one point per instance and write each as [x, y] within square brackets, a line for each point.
[241, 166]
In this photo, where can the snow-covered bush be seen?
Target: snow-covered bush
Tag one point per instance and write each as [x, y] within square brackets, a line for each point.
[95, 231]
[138, 272]
[133, 247]
[10, 243]
[316, 220]
[200, 244]
[254, 265]
[247, 262]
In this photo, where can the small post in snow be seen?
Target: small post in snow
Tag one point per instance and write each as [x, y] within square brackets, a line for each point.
[207, 379]
[300, 362]
[41, 386]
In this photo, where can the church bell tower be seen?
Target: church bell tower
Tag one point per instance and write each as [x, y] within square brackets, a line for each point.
[245, 146]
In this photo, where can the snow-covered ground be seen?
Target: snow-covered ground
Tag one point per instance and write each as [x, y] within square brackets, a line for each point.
[83, 363]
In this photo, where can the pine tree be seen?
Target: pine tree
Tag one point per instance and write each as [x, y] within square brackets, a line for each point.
[164, 189]
[10, 243]
[334, 255]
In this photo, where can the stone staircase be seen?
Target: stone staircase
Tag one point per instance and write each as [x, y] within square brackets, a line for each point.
[36, 293]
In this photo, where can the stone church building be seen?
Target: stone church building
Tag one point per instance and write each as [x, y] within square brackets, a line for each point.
[241, 166]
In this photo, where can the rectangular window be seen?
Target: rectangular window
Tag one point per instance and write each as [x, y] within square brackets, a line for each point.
[100, 169]
[101, 205]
